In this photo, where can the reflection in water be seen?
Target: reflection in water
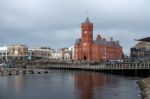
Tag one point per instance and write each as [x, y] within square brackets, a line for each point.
[63, 84]
[94, 85]
[86, 82]
[17, 83]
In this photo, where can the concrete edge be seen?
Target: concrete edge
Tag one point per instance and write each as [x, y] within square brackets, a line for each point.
[145, 88]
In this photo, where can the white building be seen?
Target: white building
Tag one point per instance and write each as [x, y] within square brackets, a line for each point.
[71, 49]
[57, 54]
[4, 52]
[63, 54]
[67, 56]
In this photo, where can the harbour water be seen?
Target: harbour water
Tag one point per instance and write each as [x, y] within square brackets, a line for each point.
[66, 84]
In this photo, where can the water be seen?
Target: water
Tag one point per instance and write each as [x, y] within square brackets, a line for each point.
[64, 84]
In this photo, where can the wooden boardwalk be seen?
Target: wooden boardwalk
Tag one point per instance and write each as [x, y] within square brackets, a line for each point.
[21, 71]
[118, 66]
[136, 69]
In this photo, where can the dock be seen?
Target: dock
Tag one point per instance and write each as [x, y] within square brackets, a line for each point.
[141, 69]
[21, 71]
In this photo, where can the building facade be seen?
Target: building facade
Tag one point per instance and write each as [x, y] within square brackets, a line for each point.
[40, 53]
[95, 50]
[140, 52]
[71, 52]
[4, 53]
[18, 51]
[57, 54]
[63, 54]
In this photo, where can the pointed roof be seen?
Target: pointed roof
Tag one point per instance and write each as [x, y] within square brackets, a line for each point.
[87, 20]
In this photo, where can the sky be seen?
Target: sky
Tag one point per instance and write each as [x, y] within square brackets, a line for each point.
[56, 23]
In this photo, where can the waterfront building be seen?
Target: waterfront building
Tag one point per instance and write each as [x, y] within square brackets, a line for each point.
[96, 50]
[18, 51]
[57, 54]
[71, 51]
[140, 52]
[68, 53]
[4, 53]
[63, 54]
[40, 53]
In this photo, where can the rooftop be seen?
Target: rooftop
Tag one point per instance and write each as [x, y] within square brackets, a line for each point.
[3, 48]
[147, 39]
[87, 20]
[143, 44]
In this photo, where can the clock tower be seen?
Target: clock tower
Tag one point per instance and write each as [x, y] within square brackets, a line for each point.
[89, 50]
[86, 39]
[87, 31]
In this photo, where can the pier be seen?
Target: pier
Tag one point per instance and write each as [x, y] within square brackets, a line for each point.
[140, 69]
[21, 71]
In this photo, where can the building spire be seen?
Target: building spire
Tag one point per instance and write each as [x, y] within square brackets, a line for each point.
[87, 14]
[87, 20]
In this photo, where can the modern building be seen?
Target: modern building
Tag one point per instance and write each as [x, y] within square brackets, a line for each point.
[96, 50]
[18, 51]
[141, 51]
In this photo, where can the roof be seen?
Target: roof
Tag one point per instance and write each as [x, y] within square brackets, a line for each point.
[39, 49]
[102, 42]
[87, 20]
[108, 43]
[143, 45]
[147, 39]
[77, 41]
[3, 48]
[18, 45]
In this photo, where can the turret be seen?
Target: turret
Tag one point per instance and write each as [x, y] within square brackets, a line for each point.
[87, 30]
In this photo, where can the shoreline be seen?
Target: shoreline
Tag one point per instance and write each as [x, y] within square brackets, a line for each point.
[145, 88]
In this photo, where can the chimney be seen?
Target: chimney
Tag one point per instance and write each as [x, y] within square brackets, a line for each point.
[104, 39]
[111, 39]
[98, 37]
[117, 42]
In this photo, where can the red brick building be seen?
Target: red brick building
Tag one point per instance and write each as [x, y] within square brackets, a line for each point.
[96, 50]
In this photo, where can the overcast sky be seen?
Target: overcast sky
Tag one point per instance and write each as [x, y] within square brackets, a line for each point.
[56, 23]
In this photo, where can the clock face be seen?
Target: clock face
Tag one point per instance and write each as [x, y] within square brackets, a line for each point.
[85, 32]
[85, 44]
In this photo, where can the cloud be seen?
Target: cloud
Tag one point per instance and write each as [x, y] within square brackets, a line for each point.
[56, 23]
